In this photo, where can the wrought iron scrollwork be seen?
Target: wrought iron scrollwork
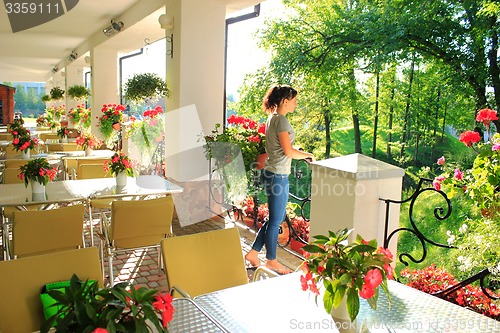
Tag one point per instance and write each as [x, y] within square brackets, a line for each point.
[440, 213]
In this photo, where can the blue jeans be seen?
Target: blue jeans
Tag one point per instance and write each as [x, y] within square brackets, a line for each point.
[276, 186]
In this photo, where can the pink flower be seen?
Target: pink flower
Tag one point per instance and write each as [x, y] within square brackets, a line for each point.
[366, 291]
[389, 271]
[373, 278]
[495, 147]
[437, 185]
[385, 252]
[459, 175]
[441, 160]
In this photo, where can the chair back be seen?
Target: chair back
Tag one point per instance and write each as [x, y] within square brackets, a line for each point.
[15, 163]
[88, 171]
[141, 223]
[5, 136]
[10, 176]
[70, 146]
[48, 136]
[44, 231]
[204, 262]
[52, 147]
[11, 152]
[22, 279]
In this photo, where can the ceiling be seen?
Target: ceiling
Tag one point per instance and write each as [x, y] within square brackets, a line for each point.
[30, 55]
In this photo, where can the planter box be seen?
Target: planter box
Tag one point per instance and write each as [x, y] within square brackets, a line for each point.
[296, 246]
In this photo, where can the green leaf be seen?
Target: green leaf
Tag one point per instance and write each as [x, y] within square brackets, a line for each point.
[352, 303]
[339, 296]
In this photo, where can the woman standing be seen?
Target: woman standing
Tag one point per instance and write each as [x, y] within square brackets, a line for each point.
[277, 103]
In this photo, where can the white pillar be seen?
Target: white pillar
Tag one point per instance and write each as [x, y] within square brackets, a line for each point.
[104, 81]
[346, 193]
[199, 28]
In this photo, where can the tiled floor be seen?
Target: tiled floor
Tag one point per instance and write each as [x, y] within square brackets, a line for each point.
[141, 268]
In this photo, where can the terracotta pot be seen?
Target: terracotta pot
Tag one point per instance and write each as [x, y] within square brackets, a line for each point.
[261, 161]
[285, 233]
[116, 126]
[297, 246]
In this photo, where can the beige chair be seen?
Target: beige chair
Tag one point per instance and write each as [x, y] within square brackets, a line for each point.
[15, 163]
[10, 152]
[5, 136]
[88, 171]
[53, 147]
[10, 176]
[92, 160]
[135, 225]
[44, 231]
[205, 262]
[22, 279]
[48, 136]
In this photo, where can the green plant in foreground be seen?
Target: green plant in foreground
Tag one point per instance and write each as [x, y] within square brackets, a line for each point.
[121, 308]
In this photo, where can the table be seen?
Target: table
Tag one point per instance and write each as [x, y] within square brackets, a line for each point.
[279, 305]
[18, 195]
[272, 305]
[189, 317]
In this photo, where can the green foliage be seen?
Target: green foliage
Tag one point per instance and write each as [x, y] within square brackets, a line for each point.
[56, 93]
[78, 92]
[121, 308]
[346, 270]
[144, 86]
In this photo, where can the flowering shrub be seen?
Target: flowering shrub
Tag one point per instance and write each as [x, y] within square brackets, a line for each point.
[80, 116]
[88, 140]
[482, 182]
[63, 132]
[346, 270]
[112, 114]
[37, 170]
[432, 280]
[121, 308]
[301, 227]
[55, 112]
[150, 129]
[119, 162]
[22, 139]
[245, 133]
[42, 120]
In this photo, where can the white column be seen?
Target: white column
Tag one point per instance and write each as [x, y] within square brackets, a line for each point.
[104, 81]
[346, 193]
[194, 73]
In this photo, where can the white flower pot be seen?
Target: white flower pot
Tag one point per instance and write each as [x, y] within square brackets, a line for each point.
[37, 187]
[121, 179]
[26, 154]
[64, 140]
[89, 151]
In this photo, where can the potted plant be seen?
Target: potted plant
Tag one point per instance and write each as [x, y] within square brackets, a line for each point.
[346, 271]
[119, 166]
[145, 86]
[63, 133]
[112, 115]
[83, 307]
[80, 116]
[143, 133]
[88, 142]
[22, 140]
[302, 229]
[78, 92]
[46, 98]
[39, 172]
[56, 93]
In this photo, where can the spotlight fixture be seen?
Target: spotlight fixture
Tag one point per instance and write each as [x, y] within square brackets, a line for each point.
[72, 56]
[55, 69]
[113, 28]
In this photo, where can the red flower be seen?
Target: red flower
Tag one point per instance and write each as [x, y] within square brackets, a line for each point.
[486, 115]
[389, 271]
[163, 304]
[373, 278]
[367, 291]
[469, 137]
[100, 330]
